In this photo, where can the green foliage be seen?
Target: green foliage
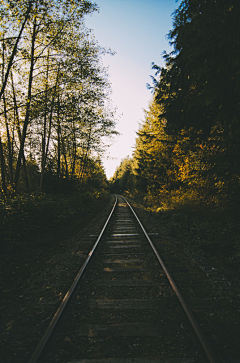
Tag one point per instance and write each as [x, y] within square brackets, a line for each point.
[174, 170]
[199, 88]
[94, 176]
[187, 150]
[123, 180]
[53, 113]
[187, 154]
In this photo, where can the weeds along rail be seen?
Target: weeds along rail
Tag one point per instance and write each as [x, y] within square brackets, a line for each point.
[122, 307]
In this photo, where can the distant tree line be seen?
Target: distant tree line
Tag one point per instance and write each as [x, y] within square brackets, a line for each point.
[53, 110]
[188, 147]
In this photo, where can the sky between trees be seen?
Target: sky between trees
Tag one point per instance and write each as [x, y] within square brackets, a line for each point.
[137, 31]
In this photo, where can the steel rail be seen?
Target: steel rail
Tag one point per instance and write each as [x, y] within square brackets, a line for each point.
[42, 343]
[207, 349]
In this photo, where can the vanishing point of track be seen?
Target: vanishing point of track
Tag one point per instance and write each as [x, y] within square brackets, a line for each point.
[124, 306]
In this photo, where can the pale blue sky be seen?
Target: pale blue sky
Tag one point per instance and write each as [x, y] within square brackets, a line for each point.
[137, 31]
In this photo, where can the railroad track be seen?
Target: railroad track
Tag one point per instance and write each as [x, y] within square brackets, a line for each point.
[123, 305]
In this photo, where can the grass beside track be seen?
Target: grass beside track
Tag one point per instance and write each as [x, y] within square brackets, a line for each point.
[215, 230]
[29, 220]
[42, 251]
[35, 227]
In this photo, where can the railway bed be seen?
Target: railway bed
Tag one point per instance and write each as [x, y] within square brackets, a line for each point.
[123, 308]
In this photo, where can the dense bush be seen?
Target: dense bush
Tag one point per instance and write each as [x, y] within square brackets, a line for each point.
[26, 218]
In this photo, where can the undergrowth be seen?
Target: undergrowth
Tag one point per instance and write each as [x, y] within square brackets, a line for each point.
[210, 223]
[27, 218]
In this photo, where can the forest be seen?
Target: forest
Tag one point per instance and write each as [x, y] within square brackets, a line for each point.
[54, 113]
[56, 118]
[186, 160]
[56, 122]
[183, 180]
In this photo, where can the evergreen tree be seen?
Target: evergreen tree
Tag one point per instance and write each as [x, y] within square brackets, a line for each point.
[199, 87]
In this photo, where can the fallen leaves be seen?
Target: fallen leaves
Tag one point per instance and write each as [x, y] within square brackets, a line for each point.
[9, 325]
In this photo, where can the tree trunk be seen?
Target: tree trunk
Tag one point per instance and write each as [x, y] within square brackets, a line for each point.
[15, 48]
[45, 153]
[74, 152]
[65, 159]
[58, 139]
[44, 126]
[2, 167]
[29, 98]
[84, 160]
[66, 165]
[9, 143]
[19, 134]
